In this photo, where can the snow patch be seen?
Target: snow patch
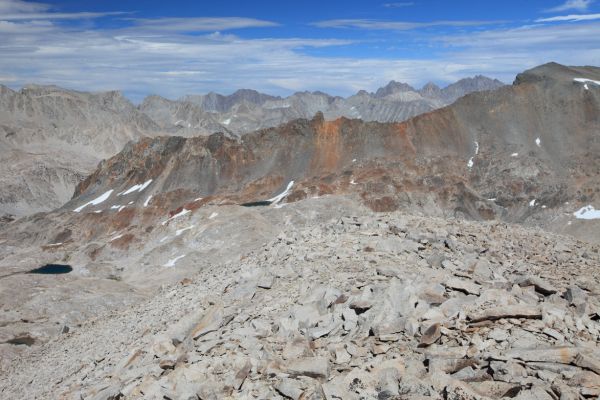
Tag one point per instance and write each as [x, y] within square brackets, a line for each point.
[54, 244]
[514, 155]
[532, 203]
[586, 81]
[115, 238]
[197, 199]
[136, 188]
[227, 121]
[95, 202]
[587, 212]
[179, 214]
[538, 142]
[282, 195]
[353, 183]
[173, 261]
[476, 148]
[213, 215]
[116, 206]
[470, 163]
[147, 201]
[180, 231]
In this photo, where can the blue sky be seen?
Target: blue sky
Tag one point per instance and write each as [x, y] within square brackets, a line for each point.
[172, 48]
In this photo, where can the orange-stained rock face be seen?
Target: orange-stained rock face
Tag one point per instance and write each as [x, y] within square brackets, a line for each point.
[328, 145]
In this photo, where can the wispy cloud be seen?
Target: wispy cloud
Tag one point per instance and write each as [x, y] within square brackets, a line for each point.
[205, 24]
[579, 5]
[177, 56]
[17, 10]
[399, 4]
[18, 6]
[570, 18]
[395, 25]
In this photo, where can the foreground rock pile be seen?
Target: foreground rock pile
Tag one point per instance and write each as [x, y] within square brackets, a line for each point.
[360, 307]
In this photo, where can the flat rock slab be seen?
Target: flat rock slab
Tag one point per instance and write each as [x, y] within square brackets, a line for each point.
[314, 367]
[496, 313]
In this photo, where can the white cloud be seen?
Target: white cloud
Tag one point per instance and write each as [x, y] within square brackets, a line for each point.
[571, 18]
[205, 24]
[17, 10]
[394, 25]
[54, 16]
[399, 4]
[18, 6]
[580, 5]
[159, 57]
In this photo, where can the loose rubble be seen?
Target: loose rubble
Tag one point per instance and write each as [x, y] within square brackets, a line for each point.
[380, 306]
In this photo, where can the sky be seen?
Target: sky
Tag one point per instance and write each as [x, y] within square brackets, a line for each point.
[173, 48]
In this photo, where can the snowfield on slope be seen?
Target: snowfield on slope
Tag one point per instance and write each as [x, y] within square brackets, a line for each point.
[96, 201]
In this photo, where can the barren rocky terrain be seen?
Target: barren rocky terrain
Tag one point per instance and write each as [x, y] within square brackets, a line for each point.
[454, 255]
[355, 306]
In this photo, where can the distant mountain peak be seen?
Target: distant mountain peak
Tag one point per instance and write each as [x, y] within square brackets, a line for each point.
[393, 87]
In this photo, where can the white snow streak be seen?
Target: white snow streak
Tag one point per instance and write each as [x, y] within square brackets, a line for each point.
[476, 148]
[180, 231]
[115, 238]
[532, 203]
[538, 142]
[136, 188]
[587, 212]
[213, 215]
[282, 195]
[172, 261]
[470, 163]
[95, 202]
[179, 214]
[514, 155]
[147, 201]
[586, 81]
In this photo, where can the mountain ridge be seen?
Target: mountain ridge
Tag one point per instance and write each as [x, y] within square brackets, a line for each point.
[56, 136]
